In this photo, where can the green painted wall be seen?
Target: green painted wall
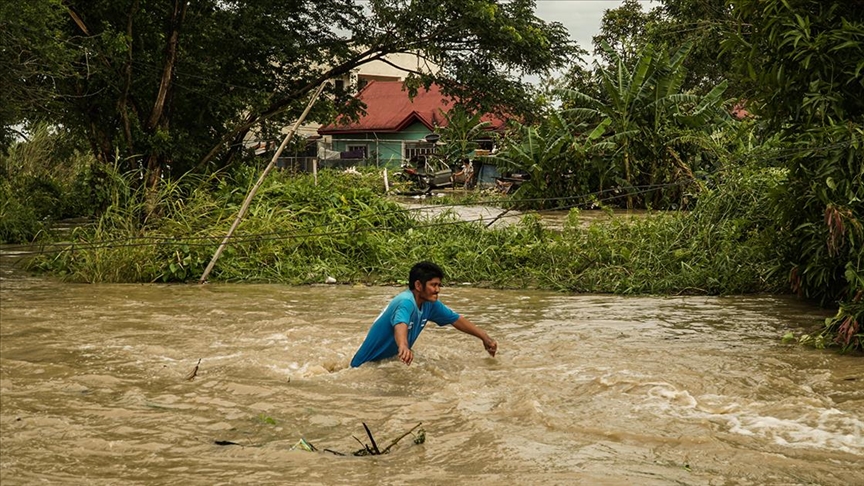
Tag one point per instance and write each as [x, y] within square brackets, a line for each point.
[387, 146]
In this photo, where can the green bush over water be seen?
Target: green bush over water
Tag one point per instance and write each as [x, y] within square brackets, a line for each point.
[46, 179]
[297, 232]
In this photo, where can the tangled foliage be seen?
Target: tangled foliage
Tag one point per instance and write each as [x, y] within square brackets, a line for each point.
[45, 179]
[804, 59]
[298, 232]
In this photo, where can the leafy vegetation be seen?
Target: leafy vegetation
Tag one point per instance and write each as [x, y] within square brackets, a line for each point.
[346, 229]
[806, 60]
[43, 180]
[641, 131]
[168, 88]
[459, 136]
[703, 24]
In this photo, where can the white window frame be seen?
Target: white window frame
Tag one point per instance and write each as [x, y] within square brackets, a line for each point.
[354, 147]
[412, 149]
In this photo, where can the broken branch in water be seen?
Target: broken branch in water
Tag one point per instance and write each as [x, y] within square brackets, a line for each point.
[226, 443]
[232, 443]
[374, 445]
[374, 451]
[367, 450]
[191, 376]
[387, 449]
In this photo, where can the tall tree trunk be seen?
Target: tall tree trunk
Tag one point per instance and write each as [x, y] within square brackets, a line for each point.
[122, 105]
[165, 84]
[236, 146]
[158, 119]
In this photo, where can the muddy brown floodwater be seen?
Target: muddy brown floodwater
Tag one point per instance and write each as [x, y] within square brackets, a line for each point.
[586, 389]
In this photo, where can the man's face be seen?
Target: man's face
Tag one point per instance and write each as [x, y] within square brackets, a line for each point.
[429, 292]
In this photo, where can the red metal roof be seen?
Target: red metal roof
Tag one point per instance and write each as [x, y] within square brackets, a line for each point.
[389, 110]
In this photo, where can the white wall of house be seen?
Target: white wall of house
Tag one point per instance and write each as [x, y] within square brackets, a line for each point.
[386, 71]
[407, 61]
[373, 70]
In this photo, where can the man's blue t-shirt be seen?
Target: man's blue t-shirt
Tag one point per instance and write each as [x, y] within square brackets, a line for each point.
[380, 343]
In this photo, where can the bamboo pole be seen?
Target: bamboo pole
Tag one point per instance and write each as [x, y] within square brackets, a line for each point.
[245, 206]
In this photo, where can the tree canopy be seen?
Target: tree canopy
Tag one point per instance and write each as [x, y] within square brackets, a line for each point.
[170, 87]
[702, 24]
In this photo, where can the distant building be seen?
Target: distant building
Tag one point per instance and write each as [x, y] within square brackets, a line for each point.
[376, 70]
[351, 82]
[394, 127]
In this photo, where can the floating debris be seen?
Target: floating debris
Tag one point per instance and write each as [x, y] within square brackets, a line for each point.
[367, 450]
[304, 445]
[226, 443]
[191, 376]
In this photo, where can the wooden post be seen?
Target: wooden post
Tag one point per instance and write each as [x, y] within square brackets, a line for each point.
[245, 206]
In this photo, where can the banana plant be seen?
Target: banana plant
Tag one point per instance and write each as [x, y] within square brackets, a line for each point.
[460, 135]
[643, 121]
[541, 152]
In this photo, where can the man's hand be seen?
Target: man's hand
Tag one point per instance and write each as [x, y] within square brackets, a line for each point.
[406, 355]
[400, 334]
[468, 327]
[491, 346]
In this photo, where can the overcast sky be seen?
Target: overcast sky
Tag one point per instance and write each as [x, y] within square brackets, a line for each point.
[581, 17]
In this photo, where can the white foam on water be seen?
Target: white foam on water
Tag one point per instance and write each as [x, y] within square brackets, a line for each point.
[799, 424]
[300, 370]
[674, 398]
[274, 339]
[224, 356]
[833, 430]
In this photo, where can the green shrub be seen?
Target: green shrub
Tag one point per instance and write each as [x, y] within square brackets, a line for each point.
[46, 179]
[18, 223]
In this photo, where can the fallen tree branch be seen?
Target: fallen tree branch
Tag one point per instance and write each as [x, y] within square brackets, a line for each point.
[367, 450]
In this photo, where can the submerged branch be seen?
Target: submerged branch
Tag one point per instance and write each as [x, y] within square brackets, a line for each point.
[372, 439]
[191, 376]
[387, 449]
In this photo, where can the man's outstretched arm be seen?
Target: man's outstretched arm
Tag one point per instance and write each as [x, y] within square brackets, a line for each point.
[400, 334]
[468, 327]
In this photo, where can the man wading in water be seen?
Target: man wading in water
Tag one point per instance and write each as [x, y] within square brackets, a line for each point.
[394, 331]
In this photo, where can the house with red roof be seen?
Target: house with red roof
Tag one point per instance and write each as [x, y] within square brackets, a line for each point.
[394, 127]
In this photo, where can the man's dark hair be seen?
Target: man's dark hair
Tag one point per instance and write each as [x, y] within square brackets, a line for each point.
[424, 272]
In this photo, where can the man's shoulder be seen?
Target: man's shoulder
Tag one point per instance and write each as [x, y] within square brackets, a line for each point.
[403, 299]
[404, 295]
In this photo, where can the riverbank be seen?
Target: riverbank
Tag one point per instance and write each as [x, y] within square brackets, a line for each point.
[341, 227]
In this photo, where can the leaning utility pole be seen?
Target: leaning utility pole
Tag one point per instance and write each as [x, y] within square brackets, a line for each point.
[254, 189]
